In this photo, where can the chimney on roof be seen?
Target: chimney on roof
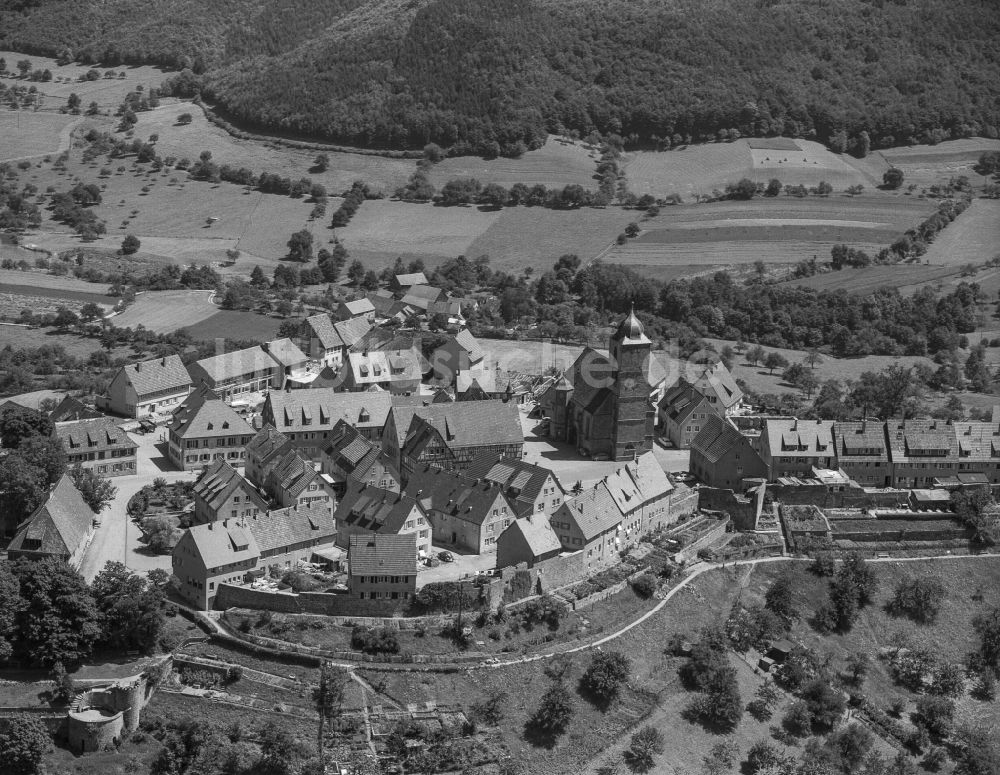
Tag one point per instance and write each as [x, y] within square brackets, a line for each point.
[138, 367]
[163, 361]
[209, 525]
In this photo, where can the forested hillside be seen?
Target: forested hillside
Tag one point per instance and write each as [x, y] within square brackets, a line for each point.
[496, 75]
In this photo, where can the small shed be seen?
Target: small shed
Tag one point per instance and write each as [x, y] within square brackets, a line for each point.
[780, 650]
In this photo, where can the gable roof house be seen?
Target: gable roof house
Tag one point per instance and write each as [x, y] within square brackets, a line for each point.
[452, 434]
[923, 450]
[420, 296]
[292, 362]
[682, 413]
[229, 550]
[793, 447]
[306, 417]
[382, 567]
[401, 283]
[529, 540]
[221, 493]
[73, 409]
[318, 338]
[205, 429]
[723, 457]
[366, 510]
[397, 371]
[350, 457]
[465, 513]
[150, 387]
[531, 489]
[459, 355]
[238, 375]
[591, 522]
[360, 308]
[97, 444]
[290, 479]
[862, 452]
[61, 526]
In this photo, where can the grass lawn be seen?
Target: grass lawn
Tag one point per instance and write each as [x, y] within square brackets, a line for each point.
[25, 133]
[558, 163]
[972, 238]
[166, 311]
[235, 324]
[75, 344]
[382, 173]
[536, 236]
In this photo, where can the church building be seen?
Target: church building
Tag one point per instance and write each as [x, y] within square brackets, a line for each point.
[601, 405]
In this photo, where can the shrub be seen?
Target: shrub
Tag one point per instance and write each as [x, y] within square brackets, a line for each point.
[607, 671]
[553, 712]
[644, 585]
[373, 640]
[644, 747]
[763, 755]
[826, 704]
[918, 598]
[935, 714]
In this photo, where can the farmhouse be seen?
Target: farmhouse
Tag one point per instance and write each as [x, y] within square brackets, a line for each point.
[348, 310]
[451, 435]
[401, 283]
[604, 410]
[398, 371]
[228, 551]
[529, 488]
[465, 513]
[351, 458]
[239, 374]
[792, 447]
[204, 429]
[527, 540]
[686, 406]
[149, 387]
[221, 493]
[291, 360]
[365, 510]
[721, 456]
[459, 355]
[420, 297]
[307, 417]
[97, 444]
[382, 567]
[61, 526]
[318, 338]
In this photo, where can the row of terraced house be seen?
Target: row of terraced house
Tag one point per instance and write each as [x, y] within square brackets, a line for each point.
[874, 453]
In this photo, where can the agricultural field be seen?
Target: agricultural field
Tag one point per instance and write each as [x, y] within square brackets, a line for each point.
[560, 162]
[972, 238]
[906, 278]
[925, 165]
[165, 311]
[536, 237]
[779, 230]
[42, 293]
[382, 173]
[383, 229]
[234, 324]
[25, 134]
[699, 169]
[77, 345]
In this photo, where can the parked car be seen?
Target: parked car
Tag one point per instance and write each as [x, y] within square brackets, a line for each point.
[147, 426]
[446, 557]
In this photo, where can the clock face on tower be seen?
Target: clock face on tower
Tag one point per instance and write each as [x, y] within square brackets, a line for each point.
[629, 383]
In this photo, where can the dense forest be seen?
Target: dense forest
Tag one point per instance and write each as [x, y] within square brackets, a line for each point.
[494, 76]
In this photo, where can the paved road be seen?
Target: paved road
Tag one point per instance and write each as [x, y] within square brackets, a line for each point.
[117, 538]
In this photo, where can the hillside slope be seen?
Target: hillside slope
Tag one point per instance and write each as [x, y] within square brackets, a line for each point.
[495, 75]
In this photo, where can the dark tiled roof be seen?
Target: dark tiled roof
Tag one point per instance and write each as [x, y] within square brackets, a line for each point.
[73, 409]
[207, 417]
[219, 481]
[222, 543]
[351, 331]
[450, 492]
[717, 379]
[799, 438]
[526, 479]
[471, 424]
[268, 442]
[715, 439]
[293, 525]
[383, 555]
[59, 525]
[95, 435]
[321, 326]
[324, 407]
[467, 342]
[921, 436]
[594, 511]
[861, 440]
[231, 365]
[375, 509]
[157, 375]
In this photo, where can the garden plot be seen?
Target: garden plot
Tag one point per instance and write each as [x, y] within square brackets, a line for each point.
[558, 163]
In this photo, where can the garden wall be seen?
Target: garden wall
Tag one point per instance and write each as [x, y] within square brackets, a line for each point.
[684, 500]
[742, 510]
[324, 603]
[690, 552]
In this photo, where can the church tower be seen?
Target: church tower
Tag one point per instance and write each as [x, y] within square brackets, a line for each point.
[632, 413]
